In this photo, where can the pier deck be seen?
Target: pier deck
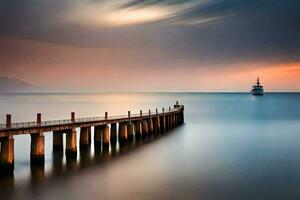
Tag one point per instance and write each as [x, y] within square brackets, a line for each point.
[107, 130]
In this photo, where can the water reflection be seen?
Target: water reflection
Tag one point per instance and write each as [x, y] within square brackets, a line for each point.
[57, 160]
[62, 166]
[7, 183]
[37, 173]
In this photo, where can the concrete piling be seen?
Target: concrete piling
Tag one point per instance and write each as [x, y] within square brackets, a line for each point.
[138, 129]
[130, 128]
[85, 135]
[130, 131]
[113, 133]
[57, 140]
[37, 151]
[123, 135]
[145, 128]
[97, 137]
[106, 136]
[150, 123]
[71, 144]
[7, 155]
[163, 121]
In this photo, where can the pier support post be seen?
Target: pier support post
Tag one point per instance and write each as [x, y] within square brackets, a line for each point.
[138, 129]
[130, 128]
[171, 121]
[57, 140]
[97, 137]
[106, 137]
[169, 126]
[85, 135]
[156, 123]
[163, 121]
[174, 120]
[150, 123]
[113, 133]
[37, 152]
[145, 128]
[71, 144]
[182, 116]
[123, 136]
[7, 155]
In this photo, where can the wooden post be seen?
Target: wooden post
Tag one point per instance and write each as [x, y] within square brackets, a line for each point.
[73, 117]
[8, 121]
[106, 115]
[39, 119]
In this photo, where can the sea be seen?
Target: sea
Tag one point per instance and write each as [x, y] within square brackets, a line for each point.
[231, 146]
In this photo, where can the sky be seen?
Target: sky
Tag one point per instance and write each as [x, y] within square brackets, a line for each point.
[151, 45]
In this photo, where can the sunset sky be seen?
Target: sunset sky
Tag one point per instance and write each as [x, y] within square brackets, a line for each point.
[151, 45]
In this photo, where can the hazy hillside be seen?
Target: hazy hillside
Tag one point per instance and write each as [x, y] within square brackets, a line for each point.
[15, 85]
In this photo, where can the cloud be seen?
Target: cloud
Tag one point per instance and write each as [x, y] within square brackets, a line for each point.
[199, 31]
[111, 15]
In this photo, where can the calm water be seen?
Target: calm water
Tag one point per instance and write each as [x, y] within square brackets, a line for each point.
[232, 146]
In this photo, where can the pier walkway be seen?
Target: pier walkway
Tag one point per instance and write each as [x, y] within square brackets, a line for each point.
[108, 130]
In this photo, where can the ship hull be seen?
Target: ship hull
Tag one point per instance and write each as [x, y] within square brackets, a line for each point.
[257, 92]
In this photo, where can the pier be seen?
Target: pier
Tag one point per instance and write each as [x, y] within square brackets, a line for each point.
[108, 130]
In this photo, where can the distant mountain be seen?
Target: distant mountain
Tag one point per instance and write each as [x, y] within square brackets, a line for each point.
[15, 85]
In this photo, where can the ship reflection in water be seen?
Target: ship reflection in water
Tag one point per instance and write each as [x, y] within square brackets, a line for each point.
[86, 160]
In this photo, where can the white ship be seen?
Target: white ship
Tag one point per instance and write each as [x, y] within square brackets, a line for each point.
[257, 89]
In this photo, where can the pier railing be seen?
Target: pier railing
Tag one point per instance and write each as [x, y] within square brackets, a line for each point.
[32, 124]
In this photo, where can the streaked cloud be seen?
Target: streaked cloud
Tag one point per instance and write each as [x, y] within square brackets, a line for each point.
[201, 39]
[113, 15]
[126, 12]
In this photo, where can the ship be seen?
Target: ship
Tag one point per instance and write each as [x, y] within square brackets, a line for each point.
[257, 89]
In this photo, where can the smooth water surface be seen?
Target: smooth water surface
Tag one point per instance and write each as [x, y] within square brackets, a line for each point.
[232, 146]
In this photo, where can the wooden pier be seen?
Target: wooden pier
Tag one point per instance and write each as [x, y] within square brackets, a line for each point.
[108, 130]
